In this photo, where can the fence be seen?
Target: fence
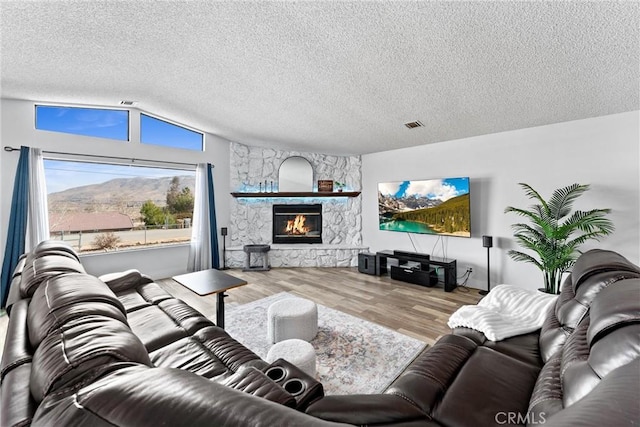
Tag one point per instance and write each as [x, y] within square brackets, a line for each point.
[141, 236]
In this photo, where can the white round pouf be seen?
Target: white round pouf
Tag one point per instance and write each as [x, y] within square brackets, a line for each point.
[292, 318]
[297, 352]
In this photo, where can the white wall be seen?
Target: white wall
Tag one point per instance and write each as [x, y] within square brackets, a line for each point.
[602, 152]
[17, 120]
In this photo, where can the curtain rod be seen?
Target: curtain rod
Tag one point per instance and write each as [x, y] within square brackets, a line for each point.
[10, 149]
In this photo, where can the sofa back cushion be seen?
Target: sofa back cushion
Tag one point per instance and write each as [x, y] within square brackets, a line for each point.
[78, 329]
[593, 271]
[80, 351]
[39, 269]
[606, 339]
[68, 296]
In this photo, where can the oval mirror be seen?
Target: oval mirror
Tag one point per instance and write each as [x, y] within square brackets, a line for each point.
[295, 174]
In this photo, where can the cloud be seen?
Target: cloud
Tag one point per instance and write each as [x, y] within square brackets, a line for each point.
[389, 188]
[434, 189]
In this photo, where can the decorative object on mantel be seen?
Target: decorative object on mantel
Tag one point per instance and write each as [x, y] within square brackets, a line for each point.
[325, 185]
[340, 186]
[551, 238]
[296, 194]
[295, 174]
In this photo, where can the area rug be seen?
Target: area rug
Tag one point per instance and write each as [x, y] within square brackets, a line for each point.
[353, 356]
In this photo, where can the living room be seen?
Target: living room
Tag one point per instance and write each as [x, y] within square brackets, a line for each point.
[522, 106]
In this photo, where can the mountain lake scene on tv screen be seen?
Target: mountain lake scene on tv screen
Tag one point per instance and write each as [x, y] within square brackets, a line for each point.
[435, 206]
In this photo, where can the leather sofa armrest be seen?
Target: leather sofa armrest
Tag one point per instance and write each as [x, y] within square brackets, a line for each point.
[147, 397]
[251, 380]
[366, 409]
[295, 381]
[123, 280]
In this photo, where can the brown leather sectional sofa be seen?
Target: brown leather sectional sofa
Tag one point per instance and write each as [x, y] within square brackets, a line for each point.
[123, 352]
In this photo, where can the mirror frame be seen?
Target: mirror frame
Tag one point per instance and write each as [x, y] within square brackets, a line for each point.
[295, 174]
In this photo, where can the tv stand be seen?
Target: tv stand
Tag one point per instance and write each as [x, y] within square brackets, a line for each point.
[426, 262]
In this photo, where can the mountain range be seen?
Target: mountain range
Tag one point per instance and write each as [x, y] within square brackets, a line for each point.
[124, 195]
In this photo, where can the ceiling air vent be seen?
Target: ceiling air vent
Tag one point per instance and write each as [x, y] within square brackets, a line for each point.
[413, 125]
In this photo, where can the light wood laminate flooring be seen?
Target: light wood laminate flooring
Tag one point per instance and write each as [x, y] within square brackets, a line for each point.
[412, 310]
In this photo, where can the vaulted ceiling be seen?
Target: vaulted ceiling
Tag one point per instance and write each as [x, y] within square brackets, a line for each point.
[328, 76]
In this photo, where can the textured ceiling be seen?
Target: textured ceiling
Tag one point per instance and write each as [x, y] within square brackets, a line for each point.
[330, 77]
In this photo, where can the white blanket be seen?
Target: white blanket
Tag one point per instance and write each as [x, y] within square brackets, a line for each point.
[505, 312]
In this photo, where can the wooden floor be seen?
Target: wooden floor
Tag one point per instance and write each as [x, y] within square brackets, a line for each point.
[409, 309]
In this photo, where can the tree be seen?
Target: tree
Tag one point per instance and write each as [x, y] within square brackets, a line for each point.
[179, 202]
[152, 214]
[555, 232]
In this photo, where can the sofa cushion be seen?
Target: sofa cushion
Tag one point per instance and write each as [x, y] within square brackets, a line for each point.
[154, 328]
[18, 406]
[66, 297]
[37, 270]
[141, 397]
[612, 402]
[429, 376]
[597, 261]
[17, 350]
[153, 293]
[182, 314]
[578, 293]
[81, 350]
[489, 383]
[132, 300]
[124, 280]
[189, 354]
[55, 247]
[228, 350]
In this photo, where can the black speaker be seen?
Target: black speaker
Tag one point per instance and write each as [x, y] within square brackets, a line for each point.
[487, 242]
[223, 231]
[367, 263]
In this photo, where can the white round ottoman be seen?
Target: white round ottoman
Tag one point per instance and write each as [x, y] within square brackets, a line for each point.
[297, 352]
[292, 318]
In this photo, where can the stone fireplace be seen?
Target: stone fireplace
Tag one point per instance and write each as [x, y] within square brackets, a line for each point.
[251, 220]
[297, 223]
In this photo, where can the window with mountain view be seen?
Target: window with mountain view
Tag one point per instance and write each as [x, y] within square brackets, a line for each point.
[97, 122]
[97, 207]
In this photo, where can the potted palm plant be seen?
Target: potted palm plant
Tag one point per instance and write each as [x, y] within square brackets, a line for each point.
[555, 233]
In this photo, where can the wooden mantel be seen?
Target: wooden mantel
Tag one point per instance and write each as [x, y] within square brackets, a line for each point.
[298, 194]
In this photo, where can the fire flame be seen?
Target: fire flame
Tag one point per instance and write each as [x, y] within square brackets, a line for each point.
[296, 225]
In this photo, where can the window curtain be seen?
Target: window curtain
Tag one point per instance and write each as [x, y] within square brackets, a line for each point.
[203, 252]
[28, 218]
[38, 217]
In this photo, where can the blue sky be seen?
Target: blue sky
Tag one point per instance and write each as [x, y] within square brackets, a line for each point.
[442, 189]
[114, 124]
[62, 174]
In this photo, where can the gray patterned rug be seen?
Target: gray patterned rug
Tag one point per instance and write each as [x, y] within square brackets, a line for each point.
[353, 356]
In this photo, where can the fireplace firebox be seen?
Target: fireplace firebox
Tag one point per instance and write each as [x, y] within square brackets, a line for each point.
[297, 223]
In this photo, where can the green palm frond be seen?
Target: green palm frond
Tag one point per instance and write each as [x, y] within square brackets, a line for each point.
[562, 199]
[521, 256]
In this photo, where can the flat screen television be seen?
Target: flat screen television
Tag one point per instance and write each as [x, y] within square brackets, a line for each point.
[433, 206]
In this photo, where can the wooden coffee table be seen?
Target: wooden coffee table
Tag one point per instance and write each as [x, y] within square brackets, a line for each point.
[207, 282]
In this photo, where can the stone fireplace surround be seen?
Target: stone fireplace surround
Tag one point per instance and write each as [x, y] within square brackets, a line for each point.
[251, 219]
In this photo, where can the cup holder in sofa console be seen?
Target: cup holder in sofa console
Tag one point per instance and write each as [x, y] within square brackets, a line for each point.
[276, 373]
[294, 386]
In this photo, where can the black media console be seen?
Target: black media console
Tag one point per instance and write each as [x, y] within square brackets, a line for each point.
[422, 273]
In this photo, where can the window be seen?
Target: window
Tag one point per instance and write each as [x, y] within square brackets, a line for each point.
[101, 123]
[159, 132]
[97, 206]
